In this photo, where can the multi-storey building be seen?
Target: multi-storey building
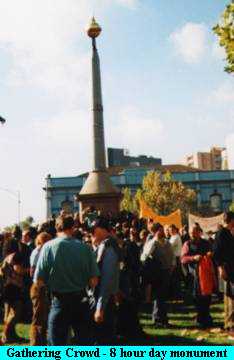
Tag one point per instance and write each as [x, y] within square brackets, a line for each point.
[215, 159]
[214, 189]
[121, 157]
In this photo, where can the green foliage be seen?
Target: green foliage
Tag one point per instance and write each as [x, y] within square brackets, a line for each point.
[165, 195]
[128, 202]
[231, 208]
[225, 32]
[25, 224]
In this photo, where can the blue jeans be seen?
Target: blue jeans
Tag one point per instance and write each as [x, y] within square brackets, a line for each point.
[69, 311]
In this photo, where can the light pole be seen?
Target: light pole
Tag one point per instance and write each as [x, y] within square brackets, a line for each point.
[17, 196]
[2, 120]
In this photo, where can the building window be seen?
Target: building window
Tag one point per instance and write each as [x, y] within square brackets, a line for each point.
[216, 202]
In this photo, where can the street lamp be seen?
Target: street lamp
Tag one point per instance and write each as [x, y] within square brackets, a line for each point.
[2, 120]
[17, 196]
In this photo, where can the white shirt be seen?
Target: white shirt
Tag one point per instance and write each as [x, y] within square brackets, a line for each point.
[148, 249]
[176, 244]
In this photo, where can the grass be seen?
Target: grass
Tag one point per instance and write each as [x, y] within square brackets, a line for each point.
[182, 330]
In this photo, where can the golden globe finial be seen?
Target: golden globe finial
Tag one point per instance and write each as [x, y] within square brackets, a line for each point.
[94, 29]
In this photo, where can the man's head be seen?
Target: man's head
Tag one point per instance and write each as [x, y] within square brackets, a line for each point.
[65, 224]
[173, 230]
[100, 229]
[133, 234]
[26, 238]
[158, 230]
[167, 231]
[150, 224]
[143, 235]
[42, 238]
[196, 232]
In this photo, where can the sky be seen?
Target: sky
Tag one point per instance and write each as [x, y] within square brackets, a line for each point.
[165, 92]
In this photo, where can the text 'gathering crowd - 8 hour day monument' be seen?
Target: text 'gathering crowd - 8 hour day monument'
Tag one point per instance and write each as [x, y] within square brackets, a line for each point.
[98, 189]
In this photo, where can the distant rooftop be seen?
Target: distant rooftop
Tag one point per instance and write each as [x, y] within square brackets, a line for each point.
[117, 170]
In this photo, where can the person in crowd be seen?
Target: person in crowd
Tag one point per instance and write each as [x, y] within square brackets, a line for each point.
[67, 267]
[39, 298]
[184, 234]
[127, 325]
[162, 262]
[176, 243]
[143, 237]
[150, 226]
[90, 214]
[17, 233]
[125, 230]
[193, 252]
[26, 246]
[108, 260]
[211, 239]
[9, 244]
[12, 271]
[167, 232]
[224, 258]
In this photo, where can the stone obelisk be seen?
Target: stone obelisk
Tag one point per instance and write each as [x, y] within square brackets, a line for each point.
[98, 190]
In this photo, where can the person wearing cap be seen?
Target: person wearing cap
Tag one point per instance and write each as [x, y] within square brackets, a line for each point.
[67, 267]
[224, 258]
[108, 260]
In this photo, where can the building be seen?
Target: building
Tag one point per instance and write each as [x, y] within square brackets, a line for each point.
[215, 159]
[121, 157]
[215, 189]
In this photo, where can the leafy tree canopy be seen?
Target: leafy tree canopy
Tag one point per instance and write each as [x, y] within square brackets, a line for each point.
[225, 31]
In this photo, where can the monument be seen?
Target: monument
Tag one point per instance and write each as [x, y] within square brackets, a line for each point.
[98, 190]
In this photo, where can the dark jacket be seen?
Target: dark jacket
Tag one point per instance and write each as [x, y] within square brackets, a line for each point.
[224, 252]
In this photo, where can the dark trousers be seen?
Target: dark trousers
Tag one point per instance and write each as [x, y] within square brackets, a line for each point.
[69, 311]
[160, 296]
[176, 278]
[159, 313]
[203, 310]
[105, 333]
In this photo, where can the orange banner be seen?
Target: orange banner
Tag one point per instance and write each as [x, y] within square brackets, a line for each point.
[148, 213]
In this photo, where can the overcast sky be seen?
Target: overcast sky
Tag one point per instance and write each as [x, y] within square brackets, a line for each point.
[164, 89]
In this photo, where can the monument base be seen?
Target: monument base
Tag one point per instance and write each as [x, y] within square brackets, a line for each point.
[99, 192]
[105, 203]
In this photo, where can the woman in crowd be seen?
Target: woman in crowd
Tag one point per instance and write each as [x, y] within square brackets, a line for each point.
[39, 298]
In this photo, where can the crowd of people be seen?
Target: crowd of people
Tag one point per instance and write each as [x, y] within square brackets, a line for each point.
[84, 282]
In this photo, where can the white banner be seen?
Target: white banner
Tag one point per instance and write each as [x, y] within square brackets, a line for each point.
[207, 224]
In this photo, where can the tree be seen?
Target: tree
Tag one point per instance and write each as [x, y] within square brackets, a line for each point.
[25, 224]
[231, 208]
[225, 32]
[165, 195]
[128, 202]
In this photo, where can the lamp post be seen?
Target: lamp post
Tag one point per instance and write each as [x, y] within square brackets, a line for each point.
[2, 120]
[16, 195]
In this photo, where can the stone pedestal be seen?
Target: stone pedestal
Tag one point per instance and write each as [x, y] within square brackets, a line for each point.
[105, 203]
[99, 192]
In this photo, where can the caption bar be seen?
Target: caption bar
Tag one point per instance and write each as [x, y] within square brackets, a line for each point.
[117, 352]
